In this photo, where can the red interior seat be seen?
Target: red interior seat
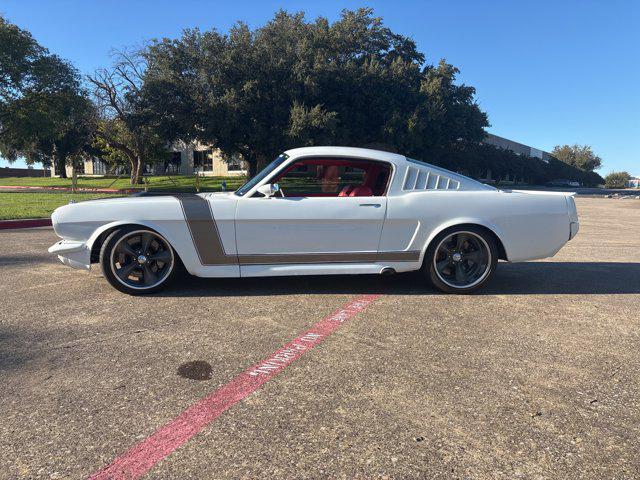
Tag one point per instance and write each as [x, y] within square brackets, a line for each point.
[345, 191]
[361, 192]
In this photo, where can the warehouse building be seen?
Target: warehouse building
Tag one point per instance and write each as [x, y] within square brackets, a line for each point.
[515, 147]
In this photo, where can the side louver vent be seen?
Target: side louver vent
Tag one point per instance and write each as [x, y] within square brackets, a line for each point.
[422, 179]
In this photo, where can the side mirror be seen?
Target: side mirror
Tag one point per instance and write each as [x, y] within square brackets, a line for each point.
[269, 189]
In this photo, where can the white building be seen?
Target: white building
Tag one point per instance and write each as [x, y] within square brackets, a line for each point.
[185, 159]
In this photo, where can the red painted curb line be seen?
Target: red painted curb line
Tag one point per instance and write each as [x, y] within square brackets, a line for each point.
[145, 455]
[28, 223]
[68, 189]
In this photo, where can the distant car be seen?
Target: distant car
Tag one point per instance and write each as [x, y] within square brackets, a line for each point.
[562, 183]
[319, 210]
[488, 181]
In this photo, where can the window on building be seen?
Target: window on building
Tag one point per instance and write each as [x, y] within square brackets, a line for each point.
[172, 166]
[122, 170]
[198, 159]
[208, 161]
[203, 160]
[99, 167]
[79, 167]
[334, 177]
[234, 164]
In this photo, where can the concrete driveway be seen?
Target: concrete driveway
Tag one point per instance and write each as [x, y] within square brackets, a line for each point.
[536, 377]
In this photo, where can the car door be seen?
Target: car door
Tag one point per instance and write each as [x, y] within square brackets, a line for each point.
[314, 226]
[309, 225]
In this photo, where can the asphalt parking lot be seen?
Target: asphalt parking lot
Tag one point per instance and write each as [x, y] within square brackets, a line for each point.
[536, 377]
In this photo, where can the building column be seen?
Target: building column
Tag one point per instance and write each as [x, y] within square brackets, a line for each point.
[186, 161]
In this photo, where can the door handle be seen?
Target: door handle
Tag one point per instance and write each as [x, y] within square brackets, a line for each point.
[376, 205]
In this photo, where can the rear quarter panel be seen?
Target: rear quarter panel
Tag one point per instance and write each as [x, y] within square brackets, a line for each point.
[529, 226]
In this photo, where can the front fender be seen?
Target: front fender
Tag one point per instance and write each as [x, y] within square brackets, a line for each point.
[169, 235]
[112, 225]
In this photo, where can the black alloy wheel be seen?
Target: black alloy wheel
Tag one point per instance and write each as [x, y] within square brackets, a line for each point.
[462, 259]
[137, 260]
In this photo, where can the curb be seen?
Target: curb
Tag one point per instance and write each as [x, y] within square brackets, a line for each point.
[67, 189]
[26, 223]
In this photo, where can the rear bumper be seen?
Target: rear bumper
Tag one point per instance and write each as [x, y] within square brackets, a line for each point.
[573, 229]
[73, 254]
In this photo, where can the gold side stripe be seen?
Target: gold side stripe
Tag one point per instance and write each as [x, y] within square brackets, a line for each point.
[204, 231]
[352, 257]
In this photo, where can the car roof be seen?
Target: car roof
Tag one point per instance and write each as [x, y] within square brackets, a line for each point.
[465, 183]
[347, 152]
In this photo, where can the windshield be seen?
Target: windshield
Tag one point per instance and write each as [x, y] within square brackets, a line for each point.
[261, 175]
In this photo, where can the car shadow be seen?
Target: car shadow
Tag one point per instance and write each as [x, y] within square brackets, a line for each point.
[7, 260]
[571, 278]
[530, 278]
[13, 354]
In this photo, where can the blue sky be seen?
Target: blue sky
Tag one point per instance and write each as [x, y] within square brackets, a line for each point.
[547, 72]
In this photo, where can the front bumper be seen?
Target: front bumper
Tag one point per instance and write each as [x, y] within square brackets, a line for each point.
[73, 254]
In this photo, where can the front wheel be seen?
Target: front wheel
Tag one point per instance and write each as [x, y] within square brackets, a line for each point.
[461, 259]
[137, 260]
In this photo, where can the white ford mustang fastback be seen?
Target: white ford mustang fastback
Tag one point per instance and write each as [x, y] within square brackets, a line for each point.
[319, 210]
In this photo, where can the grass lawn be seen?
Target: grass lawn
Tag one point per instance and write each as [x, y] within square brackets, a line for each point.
[38, 205]
[178, 183]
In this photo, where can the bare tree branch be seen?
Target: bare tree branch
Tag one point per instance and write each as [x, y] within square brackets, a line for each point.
[107, 93]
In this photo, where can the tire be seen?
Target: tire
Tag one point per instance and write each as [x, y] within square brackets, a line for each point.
[138, 261]
[461, 259]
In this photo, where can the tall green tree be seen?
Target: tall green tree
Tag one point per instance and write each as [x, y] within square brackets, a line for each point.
[580, 156]
[125, 129]
[617, 180]
[294, 82]
[43, 111]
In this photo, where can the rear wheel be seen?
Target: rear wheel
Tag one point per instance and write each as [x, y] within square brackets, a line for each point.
[461, 259]
[137, 260]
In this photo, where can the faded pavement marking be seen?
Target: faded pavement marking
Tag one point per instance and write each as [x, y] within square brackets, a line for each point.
[142, 457]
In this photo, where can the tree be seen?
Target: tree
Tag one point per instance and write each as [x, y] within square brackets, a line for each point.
[43, 110]
[41, 126]
[296, 83]
[124, 129]
[617, 180]
[580, 156]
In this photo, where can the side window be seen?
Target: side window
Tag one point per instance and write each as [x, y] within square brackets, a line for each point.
[339, 177]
